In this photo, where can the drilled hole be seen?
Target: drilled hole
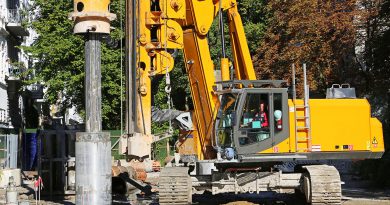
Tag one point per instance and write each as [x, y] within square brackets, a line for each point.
[80, 7]
[142, 65]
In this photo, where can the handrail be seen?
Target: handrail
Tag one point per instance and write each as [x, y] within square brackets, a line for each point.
[3, 116]
[14, 71]
[14, 16]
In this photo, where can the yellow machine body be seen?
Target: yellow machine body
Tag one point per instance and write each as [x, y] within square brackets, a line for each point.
[337, 125]
[101, 6]
[329, 129]
[184, 24]
[91, 16]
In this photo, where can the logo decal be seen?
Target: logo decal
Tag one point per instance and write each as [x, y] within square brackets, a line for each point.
[316, 148]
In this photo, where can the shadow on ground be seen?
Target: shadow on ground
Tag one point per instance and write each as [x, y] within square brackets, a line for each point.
[267, 198]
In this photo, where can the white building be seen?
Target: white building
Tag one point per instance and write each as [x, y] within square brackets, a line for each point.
[12, 62]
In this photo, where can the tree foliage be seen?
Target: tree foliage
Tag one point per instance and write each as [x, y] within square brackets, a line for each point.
[59, 59]
[319, 33]
[376, 60]
[341, 41]
[254, 17]
[376, 53]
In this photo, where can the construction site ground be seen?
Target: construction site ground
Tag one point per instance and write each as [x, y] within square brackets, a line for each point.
[355, 192]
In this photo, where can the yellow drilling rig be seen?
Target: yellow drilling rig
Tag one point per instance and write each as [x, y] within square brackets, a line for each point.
[241, 128]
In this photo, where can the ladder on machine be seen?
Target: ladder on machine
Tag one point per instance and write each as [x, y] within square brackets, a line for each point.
[302, 116]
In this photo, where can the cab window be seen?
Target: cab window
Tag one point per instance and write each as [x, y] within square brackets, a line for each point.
[226, 117]
[255, 119]
[278, 114]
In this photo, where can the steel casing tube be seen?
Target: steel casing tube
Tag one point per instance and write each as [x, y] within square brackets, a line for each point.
[93, 168]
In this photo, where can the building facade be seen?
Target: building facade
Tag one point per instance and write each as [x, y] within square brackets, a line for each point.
[13, 62]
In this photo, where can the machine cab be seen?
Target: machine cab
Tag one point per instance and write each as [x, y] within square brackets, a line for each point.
[252, 118]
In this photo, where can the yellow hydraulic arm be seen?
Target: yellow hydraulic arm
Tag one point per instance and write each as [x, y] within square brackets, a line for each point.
[200, 68]
[242, 60]
[165, 25]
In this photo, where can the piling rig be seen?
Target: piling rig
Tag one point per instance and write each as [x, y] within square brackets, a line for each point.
[242, 128]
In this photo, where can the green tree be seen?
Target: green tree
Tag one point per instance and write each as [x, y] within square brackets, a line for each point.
[254, 17]
[376, 80]
[376, 59]
[59, 59]
[326, 35]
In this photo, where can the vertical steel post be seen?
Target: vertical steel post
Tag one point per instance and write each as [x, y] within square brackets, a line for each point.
[131, 66]
[295, 106]
[222, 30]
[305, 90]
[93, 147]
[294, 91]
[93, 93]
[93, 168]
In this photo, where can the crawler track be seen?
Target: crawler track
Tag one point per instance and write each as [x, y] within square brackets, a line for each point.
[175, 186]
[322, 185]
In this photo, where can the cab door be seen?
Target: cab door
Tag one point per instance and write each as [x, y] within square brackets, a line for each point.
[262, 120]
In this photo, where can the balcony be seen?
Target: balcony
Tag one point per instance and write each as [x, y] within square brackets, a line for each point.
[3, 17]
[3, 31]
[36, 91]
[14, 24]
[14, 72]
[3, 116]
[14, 82]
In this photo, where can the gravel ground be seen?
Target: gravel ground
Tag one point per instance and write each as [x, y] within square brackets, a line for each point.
[355, 192]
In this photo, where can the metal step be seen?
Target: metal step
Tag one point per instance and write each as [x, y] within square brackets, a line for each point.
[303, 128]
[302, 117]
[303, 138]
[303, 149]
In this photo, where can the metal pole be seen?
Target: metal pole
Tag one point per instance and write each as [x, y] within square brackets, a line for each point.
[306, 95]
[131, 66]
[305, 91]
[293, 83]
[295, 108]
[93, 147]
[222, 29]
[93, 93]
